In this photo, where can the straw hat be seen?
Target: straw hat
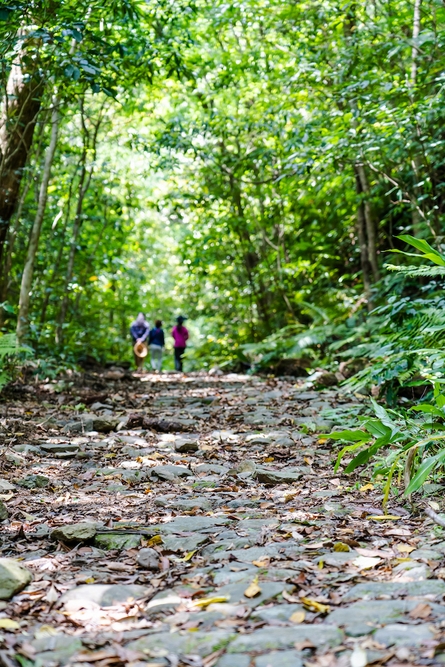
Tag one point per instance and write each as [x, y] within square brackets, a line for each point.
[140, 350]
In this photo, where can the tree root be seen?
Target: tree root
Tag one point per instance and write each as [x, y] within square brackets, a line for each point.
[435, 517]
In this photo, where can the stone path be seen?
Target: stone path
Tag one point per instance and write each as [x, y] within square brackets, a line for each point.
[169, 521]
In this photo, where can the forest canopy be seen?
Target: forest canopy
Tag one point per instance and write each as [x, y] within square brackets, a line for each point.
[248, 164]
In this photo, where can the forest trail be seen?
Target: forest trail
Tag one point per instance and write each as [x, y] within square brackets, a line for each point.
[213, 532]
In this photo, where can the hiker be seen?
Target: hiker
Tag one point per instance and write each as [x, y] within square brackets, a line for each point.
[180, 335]
[139, 332]
[156, 341]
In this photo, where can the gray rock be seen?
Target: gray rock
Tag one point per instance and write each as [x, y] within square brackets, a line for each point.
[231, 660]
[251, 554]
[282, 638]
[55, 649]
[399, 634]
[372, 611]
[227, 575]
[186, 524]
[60, 447]
[273, 477]
[90, 423]
[27, 449]
[427, 554]
[13, 578]
[76, 532]
[3, 511]
[269, 590]
[170, 472]
[199, 503]
[34, 482]
[393, 589]
[148, 559]
[105, 595]
[281, 612]
[211, 468]
[279, 659]
[108, 541]
[182, 446]
[201, 643]
[183, 544]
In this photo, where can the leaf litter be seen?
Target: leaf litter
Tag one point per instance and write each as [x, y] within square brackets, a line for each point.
[197, 520]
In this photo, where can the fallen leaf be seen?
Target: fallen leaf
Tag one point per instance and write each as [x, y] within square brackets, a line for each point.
[384, 517]
[422, 610]
[313, 605]
[204, 602]
[405, 548]
[252, 590]
[269, 459]
[367, 487]
[188, 556]
[341, 546]
[358, 657]
[297, 617]
[9, 624]
[263, 562]
[156, 539]
[366, 562]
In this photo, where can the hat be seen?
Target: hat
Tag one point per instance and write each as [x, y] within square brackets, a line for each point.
[180, 319]
[140, 350]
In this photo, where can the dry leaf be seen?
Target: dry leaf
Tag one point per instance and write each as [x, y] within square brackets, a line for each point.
[367, 487]
[156, 539]
[366, 562]
[9, 624]
[188, 556]
[263, 562]
[422, 610]
[341, 546]
[358, 657]
[384, 517]
[297, 617]
[204, 602]
[252, 590]
[313, 605]
[405, 548]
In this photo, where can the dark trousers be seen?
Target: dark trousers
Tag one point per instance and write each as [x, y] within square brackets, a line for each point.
[179, 351]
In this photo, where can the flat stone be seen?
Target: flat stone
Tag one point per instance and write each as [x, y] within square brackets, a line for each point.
[227, 575]
[105, 595]
[269, 590]
[250, 554]
[279, 659]
[282, 638]
[183, 544]
[148, 559]
[281, 612]
[6, 486]
[55, 649]
[63, 447]
[190, 643]
[13, 578]
[186, 524]
[76, 532]
[186, 446]
[393, 589]
[27, 449]
[211, 468]
[427, 554]
[33, 482]
[399, 634]
[337, 559]
[372, 611]
[110, 541]
[232, 660]
[199, 503]
[274, 477]
[170, 472]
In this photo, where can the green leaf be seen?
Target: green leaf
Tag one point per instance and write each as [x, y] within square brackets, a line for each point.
[349, 436]
[423, 472]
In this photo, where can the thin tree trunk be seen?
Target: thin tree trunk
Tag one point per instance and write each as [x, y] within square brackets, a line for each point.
[371, 227]
[18, 120]
[417, 223]
[361, 235]
[26, 284]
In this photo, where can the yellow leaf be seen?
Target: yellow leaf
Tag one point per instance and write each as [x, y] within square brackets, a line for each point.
[109, 456]
[90, 580]
[147, 490]
[297, 617]
[383, 517]
[9, 624]
[405, 548]
[188, 556]
[252, 590]
[341, 546]
[320, 564]
[93, 278]
[402, 560]
[156, 539]
[367, 487]
[193, 629]
[321, 441]
[262, 562]
[204, 602]
[269, 459]
[313, 605]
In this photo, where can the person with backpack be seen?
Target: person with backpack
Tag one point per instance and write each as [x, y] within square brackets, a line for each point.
[156, 341]
[180, 336]
[139, 330]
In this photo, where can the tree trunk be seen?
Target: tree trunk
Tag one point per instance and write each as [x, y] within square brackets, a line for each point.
[21, 107]
[417, 223]
[361, 235]
[371, 227]
[26, 284]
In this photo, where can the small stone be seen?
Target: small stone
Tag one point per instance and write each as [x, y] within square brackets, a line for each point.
[279, 659]
[148, 559]
[273, 477]
[170, 472]
[27, 449]
[282, 638]
[183, 446]
[13, 578]
[105, 595]
[201, 643]
[3, 511]
[399, 634]
[60, 447]
[34, 482]
[76, 532]
[110, 541]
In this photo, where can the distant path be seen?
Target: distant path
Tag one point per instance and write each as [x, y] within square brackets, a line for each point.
[214, 532]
